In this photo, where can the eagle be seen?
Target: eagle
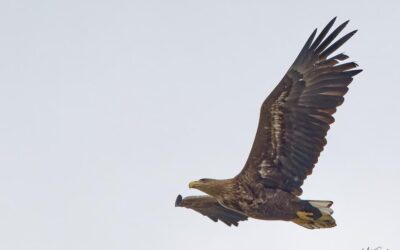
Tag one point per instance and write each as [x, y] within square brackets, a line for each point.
[292, 128]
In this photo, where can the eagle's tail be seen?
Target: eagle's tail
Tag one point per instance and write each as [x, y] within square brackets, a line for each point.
[315, 214]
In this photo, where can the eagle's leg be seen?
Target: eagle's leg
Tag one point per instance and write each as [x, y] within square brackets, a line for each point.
[315, 214]
[305, 215]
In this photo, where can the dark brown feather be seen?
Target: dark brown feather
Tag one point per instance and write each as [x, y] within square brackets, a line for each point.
[296, 116]
[209, 206]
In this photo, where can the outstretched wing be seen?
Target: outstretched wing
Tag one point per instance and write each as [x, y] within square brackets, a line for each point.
[296, 116]
[209, 206]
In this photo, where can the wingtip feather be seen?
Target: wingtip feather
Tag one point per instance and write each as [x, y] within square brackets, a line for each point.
[178, 201]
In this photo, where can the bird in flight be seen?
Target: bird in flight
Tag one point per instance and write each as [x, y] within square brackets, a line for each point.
[292, 127]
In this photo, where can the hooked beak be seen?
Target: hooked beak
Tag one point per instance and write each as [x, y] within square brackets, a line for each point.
[194, 184]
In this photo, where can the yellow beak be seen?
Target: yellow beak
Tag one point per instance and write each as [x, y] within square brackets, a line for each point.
[194, 184]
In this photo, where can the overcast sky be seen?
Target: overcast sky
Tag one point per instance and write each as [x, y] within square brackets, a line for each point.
[108, 109]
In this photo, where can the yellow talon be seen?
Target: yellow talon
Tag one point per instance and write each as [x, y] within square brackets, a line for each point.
[305, 216]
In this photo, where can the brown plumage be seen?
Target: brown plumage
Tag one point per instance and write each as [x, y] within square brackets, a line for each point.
[210, 207]
[293, 124]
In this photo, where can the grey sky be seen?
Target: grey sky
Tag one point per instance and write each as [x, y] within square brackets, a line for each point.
[109, 109]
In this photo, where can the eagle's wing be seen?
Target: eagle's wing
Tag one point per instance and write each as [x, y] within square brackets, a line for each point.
[209, 206]
[296, 116]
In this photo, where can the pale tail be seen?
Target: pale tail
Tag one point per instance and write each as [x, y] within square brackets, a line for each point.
[312, 219]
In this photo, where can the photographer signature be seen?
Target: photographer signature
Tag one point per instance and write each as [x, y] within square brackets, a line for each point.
[376, 248]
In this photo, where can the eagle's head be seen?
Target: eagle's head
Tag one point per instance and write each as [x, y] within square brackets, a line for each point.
[210, 186]
[201, 183]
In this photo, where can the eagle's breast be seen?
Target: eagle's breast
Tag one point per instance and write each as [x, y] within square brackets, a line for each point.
[260, 202]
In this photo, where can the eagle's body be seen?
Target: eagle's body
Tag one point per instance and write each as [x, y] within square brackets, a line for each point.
[261, 203]
[293, 124]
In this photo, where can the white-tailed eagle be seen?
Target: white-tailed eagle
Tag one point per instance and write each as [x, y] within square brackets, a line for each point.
[293, 124]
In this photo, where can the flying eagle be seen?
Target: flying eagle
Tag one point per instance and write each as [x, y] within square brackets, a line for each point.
[293, 124]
